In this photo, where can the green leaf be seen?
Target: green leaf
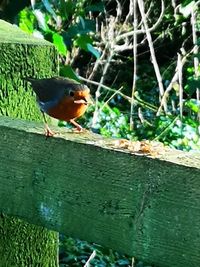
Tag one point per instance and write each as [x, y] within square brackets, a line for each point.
[59, 43]
[85, 42]
[193, 104]
[94, 51]
[26, 20]
[66, 8]
[117, 111]
[192, 85]
[49, 9]
[82, 22]
[82, 41]
[190, 70]
[186, 2]
[67, 71]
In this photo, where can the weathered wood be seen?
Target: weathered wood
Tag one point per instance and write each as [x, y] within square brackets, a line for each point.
[21, 55]
[78, 185]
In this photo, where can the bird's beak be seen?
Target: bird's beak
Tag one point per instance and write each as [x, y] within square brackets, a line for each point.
[80, 101]
[85, 101]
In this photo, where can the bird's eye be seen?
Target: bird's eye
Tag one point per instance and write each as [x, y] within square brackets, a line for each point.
[71, 93]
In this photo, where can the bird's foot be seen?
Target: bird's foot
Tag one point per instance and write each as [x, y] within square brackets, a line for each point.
[48, 131]
[78, 128]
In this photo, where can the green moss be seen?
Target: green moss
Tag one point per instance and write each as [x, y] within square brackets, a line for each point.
[21, 55]
[17, 62]
[26, 244]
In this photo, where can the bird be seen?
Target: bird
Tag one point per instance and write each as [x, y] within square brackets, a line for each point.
[61, 98]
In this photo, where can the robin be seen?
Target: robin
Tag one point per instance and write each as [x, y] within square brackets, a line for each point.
[61, 98]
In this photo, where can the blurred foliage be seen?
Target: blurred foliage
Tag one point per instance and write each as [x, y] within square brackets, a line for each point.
[64, 23]
[74, 252]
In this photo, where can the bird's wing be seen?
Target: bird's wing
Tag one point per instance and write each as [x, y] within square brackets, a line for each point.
[53, 89]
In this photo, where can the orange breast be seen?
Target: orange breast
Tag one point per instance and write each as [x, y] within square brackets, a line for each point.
[67, 110]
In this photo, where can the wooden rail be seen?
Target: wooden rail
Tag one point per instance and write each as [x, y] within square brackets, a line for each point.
[79, 185]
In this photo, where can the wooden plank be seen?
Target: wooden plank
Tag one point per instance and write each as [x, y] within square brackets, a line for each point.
[78, 185]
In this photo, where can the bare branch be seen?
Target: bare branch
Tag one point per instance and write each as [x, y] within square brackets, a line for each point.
[135, 24]
[97, 63]
[153, 56]
[196, 60]
[180, 79]
[137, 99]
[115, 93]
[128, 98]
[119, 12]
[170, 86]
[92, 256]
[130, 12]
[171, 124]
[129, 34]
[121, 48]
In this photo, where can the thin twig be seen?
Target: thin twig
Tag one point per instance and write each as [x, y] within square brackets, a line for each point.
[109, 36]
[144, 104]
[98, 91]
[97, 63]
[180, 80]
[115, 93]
[129, 34]
[153, 56]
[137, 99]
[166, 129]
[196, 60]
[170, 86]
[130, 13]
[133, 262]
[110, 51]
[92, 256]
[135, 23]
[142, 119]
[106, 87]
[119, 11]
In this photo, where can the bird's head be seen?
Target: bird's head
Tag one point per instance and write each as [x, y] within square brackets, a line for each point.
[80, 95]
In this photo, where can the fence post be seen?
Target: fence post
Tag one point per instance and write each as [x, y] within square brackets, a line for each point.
[21, 55]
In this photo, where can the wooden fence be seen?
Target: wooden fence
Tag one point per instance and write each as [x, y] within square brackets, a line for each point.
[84, 186]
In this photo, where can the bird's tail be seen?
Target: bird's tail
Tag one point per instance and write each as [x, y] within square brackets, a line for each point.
[28, 79]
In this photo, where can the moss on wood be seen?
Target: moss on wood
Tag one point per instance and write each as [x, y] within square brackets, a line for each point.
[21, 55]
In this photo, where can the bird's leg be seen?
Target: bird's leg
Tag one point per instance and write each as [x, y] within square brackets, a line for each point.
[48, 131]
[78, 126]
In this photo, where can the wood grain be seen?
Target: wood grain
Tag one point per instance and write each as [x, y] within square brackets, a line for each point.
[78, 185]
